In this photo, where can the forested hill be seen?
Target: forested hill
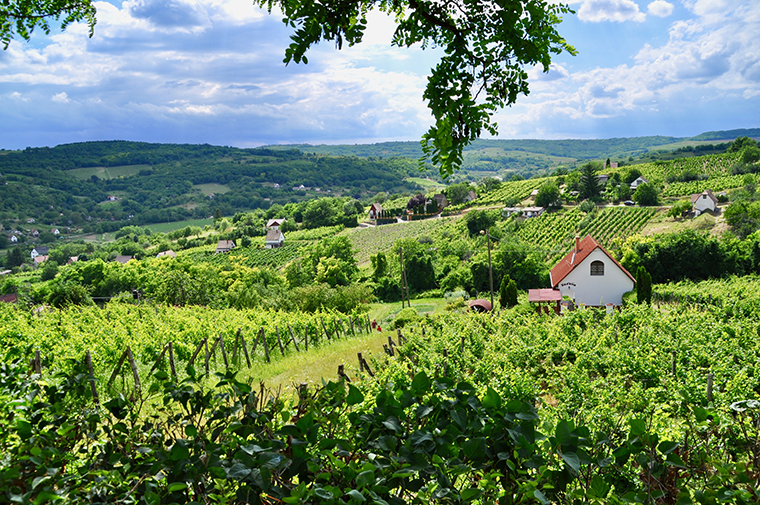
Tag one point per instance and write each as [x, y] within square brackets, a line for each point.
[528, 157]
[119, 181]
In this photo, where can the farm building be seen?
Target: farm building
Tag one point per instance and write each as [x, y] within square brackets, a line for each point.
[374, 211]
[275, 238]
[224, 246]
[166, 254]
[639, 180]
[274, 224]
[589, 275]
[704, 201]
[39, 251]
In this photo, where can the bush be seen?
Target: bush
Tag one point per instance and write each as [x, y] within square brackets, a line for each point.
[406, 317]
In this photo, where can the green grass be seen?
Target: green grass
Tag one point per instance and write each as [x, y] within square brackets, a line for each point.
[108, 172]
[318, 363]
[177, 225]
[212, 188]
[425, 183]
[385, 312]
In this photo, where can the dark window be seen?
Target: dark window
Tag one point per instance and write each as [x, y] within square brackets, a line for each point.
[597, 268]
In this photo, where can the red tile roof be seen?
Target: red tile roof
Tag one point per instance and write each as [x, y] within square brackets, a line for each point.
[576, 256]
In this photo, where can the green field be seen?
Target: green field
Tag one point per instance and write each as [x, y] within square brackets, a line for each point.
[177, 225]
[108, 172]
[212, 188]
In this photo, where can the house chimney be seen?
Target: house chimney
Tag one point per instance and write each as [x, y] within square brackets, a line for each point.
[577, 243]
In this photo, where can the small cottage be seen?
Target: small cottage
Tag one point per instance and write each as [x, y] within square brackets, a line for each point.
[374, 211]
[590, 275]
[704, 201]
[274, 224]
[441, 201]
[39, 251]
[166, 254]
[123, 259]
[224, 246]
[533, 211]
[639, 180]
[275, 238]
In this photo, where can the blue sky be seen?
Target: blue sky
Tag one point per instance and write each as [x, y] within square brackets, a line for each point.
[211, 71]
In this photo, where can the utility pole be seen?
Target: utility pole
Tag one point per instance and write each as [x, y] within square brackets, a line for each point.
[490, 268]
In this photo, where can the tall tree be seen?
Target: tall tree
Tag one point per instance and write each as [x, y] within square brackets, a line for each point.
[21, 17]
[486, 46]
[643, 286]
[589, 182]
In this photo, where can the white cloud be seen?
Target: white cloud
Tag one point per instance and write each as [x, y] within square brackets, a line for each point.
[660, 8]
[60, 97]
[596, 11]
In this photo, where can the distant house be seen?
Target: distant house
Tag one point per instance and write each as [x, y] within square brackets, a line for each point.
[166, 254]
[123, 259]
[508, 211]
[704, 201]
[13, 239]
[441, 200]
[275, 238]
[471, 195]
[614, 164]
[30, 220]
[374, 211]
[224, 246]
[603, 178]
[39, 251]
[112, 198]
[533, 211]
[72, 259]
[300, 187]
[590, 276]
[276, 186]
[274, 224]
[534, 193]
[56, 232]
[639, 180]
[39, 260]
[35, 233]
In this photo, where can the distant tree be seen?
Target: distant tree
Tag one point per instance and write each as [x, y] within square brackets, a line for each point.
[217, 214]
[645, 194]
[488, 183]
[507, 293]
[457, 193]
[632, 175]
[478, 220]
[516, 177]
[607, 164]
[379, 266]
[750, 154]
[22, 17]
[643, 286]
[589, 183]
[678, 209]
[416, 201]
[15, 258]
[548, 195]
[741, 143]
[49, 271]
[587, 206]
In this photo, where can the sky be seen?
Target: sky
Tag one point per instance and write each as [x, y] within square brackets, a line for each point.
[212, 71]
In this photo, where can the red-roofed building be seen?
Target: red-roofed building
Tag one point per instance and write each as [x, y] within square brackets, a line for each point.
[590, 275]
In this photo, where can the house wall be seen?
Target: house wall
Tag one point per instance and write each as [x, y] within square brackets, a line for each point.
[596, 290]
[704, 203]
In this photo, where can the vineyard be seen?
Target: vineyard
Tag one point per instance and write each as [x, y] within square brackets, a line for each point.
[554, 232]
[510, 191]
[647, 405]
[253, 256]
[369, 241]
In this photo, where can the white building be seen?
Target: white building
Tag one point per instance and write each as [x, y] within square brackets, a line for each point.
[589, 275]
[704, 201]
[275, 238]
[639, 180]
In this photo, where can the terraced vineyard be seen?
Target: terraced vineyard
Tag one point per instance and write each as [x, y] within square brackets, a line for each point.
[369, 241]
[554, 232]
[510, 190]
[254, 256]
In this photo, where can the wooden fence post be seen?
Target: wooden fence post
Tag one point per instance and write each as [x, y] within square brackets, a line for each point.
[235, 348]
[324, 327]
[306, 338]
[279, 341]
[342, 373]
[293, 338]
[224, 353]
[205, 345]
[88, 359]
[197, 350]
[134, 370]
[245, 350]
[266, 345]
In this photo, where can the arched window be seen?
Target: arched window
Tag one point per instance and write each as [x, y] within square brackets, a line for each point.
[597, 268]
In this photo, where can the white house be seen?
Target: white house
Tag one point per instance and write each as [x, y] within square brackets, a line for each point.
[13, 239]
[274, 224]
[275, 238]
[639, 180]
[166, 254]
[224, 246]
[533, 211]
[374, 211]
[39, 251]
[589, 275]
[704, 201]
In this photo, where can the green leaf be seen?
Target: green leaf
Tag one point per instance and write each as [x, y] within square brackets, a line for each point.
[491, 400]
[638, 427]
[471, 493]
[365, 479]
[323, 493]
[599, 487]
[176, 486]
[562, 434]
[572, 460]
[179, 451]
[356, 495]
[420, 384]
[238, 471]
[354, 395]
[668, 447]
[24, 429]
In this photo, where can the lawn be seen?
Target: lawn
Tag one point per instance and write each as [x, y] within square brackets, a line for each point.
[108, 172]
[177, 225]
[212, 188]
